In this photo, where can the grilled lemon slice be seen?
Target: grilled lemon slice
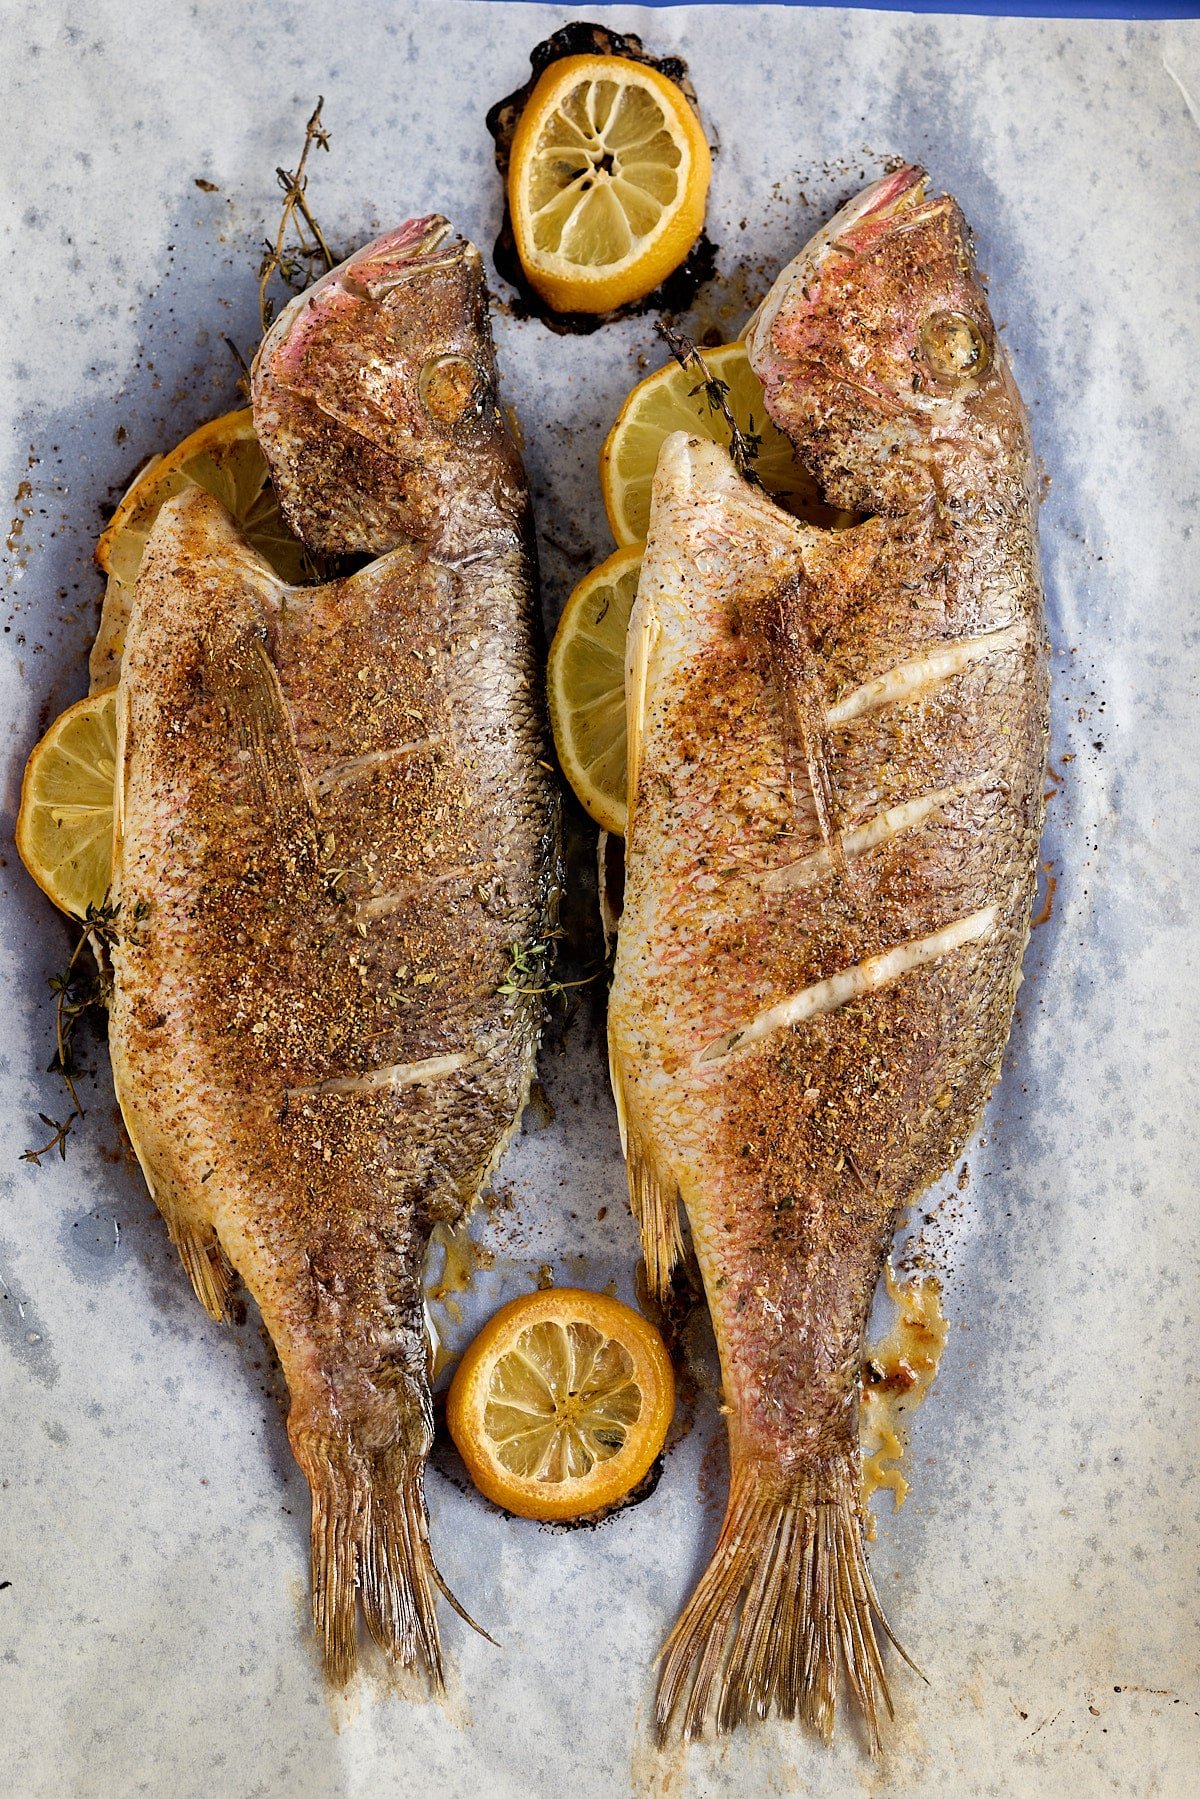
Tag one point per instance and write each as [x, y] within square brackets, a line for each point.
[225, 459]
[607, 182]
[561, 1403]
[585, 684]
[673, 399]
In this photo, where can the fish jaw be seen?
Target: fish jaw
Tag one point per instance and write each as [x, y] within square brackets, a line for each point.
[787, 295]
[716, 548]
[879, 358]
[375, 396]
[710, 802]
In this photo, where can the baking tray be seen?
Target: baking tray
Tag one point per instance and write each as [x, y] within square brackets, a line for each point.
[153, 1529]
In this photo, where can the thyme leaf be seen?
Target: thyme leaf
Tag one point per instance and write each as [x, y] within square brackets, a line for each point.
[83, 986]
[528, 970]
[243, 380]
[58, 1141]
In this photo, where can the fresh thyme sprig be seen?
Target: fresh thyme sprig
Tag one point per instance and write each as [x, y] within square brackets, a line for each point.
[298, 262]
[78, 989]
[528, 968]
[744, 446]
[58, 1140]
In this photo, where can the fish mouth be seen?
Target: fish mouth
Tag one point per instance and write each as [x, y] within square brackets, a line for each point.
[886, 197]
[414, 249]
[875, 205]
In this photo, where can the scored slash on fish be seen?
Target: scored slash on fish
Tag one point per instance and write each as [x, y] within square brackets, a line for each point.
[396, 1074]
[884, 828]
[854, 983]
[921, 674]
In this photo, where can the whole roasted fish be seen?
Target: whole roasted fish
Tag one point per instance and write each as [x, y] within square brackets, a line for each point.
[837, 748]
[333, 824]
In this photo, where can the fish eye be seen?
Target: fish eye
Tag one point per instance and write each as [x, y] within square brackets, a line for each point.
[451, 388]
[954, 346]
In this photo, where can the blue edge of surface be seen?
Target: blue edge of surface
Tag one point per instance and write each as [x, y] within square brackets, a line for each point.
[1003, 9]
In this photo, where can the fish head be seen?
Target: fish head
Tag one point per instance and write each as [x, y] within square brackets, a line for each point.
[878, 355]
[375, 393]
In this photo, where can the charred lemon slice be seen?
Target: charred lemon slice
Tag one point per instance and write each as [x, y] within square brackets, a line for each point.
[607, 182]
[674, 400]
[585, 684]
[64, 829]
[225, 459]
[561, 1403]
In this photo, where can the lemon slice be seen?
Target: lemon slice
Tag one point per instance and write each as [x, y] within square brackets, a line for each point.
[223, 457]
[64, 829]
[561, 1403]
[585, 684]
[607, 182]
[666, 402]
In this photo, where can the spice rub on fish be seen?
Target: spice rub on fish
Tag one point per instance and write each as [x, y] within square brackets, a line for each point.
[333, 823]
[836, 755]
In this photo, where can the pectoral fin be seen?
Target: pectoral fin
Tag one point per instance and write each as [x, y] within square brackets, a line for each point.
[644, 630]
[239, 673]
[208, 1267]
[781, 619]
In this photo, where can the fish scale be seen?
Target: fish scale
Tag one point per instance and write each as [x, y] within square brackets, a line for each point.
[335, 819]
[795, 1058]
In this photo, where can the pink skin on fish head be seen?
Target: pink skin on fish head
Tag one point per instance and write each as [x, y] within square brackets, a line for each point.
[375, 393]
[878, 356]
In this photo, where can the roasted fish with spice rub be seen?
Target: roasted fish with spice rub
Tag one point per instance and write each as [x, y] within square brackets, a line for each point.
[836, 753]
[333, 824]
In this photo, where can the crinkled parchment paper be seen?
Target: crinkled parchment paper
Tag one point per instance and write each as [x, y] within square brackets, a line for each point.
[152, 1525]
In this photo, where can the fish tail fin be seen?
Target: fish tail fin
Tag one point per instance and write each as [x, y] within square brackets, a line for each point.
[370, 1538]
[785, 1605]
[339, 1497]
[398, 1579]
